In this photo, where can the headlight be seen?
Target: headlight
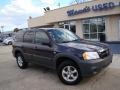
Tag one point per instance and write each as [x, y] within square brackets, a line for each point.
[90, 55]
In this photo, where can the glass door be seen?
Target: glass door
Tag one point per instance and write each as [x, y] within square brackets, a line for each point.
[67, 26]
[70, 27]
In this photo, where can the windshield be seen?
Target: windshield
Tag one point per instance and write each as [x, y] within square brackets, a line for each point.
[62, 35]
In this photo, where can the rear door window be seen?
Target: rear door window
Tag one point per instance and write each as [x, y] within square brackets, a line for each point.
[29, 37]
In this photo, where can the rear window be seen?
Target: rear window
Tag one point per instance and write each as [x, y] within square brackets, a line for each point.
[29, 37]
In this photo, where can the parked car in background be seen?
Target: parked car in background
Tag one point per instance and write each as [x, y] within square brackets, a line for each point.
[60, 49]
[1, 39]
[8, 41]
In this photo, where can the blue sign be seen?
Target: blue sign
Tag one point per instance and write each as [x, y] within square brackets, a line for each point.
[98, 7]
[104, 6]
[76, 12]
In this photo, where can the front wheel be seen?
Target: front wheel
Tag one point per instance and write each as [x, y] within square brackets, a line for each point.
[69, 73]
[21, 62]
[9, 43]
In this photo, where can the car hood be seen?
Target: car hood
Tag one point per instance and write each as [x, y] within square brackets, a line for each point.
[86, 45]
[5, 40]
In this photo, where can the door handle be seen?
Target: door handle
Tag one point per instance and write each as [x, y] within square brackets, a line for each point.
[22, 46]
[35, 47]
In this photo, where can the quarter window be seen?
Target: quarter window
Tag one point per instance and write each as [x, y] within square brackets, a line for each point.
[19, 36]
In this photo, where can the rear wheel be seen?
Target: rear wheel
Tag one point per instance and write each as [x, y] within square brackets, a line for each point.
[69, 73]
[21, 62]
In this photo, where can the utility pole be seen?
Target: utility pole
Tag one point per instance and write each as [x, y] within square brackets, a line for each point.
[59, 4]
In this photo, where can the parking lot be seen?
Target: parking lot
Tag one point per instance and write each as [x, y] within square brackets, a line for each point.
[38, 78]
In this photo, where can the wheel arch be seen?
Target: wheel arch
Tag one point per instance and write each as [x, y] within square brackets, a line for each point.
[17, 51]
[61, 58]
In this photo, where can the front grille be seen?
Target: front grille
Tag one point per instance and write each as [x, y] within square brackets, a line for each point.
[104, 53]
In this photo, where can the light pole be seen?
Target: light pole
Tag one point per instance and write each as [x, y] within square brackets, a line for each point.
[2, 28]
[2, 31]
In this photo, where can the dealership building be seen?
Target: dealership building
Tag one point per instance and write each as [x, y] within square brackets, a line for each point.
[90, 20]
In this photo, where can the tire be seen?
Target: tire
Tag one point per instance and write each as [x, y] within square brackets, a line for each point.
[71, 76]
[22, 64]
[9, 43]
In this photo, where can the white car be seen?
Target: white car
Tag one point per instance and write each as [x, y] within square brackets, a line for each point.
[8, 41]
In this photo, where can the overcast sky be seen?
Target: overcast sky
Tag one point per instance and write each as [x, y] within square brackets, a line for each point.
[14, 13]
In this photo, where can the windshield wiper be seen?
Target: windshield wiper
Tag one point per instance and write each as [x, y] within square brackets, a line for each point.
[75, 40]
[65, 41]
[70, 41]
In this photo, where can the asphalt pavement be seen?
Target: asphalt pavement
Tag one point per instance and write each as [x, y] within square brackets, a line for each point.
[39, 78]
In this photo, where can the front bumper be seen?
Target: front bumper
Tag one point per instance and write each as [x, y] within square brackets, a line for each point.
[4, 42]
[93, 66]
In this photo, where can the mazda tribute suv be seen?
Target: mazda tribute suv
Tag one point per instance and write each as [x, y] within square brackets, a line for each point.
[72, 57]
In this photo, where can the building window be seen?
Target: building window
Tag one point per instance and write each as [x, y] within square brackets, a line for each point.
[93, 28]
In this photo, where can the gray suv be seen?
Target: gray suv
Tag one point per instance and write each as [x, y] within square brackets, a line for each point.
[72, 57]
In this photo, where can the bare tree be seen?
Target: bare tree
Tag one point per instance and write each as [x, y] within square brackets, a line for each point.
[16, 30]
[78, 1]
